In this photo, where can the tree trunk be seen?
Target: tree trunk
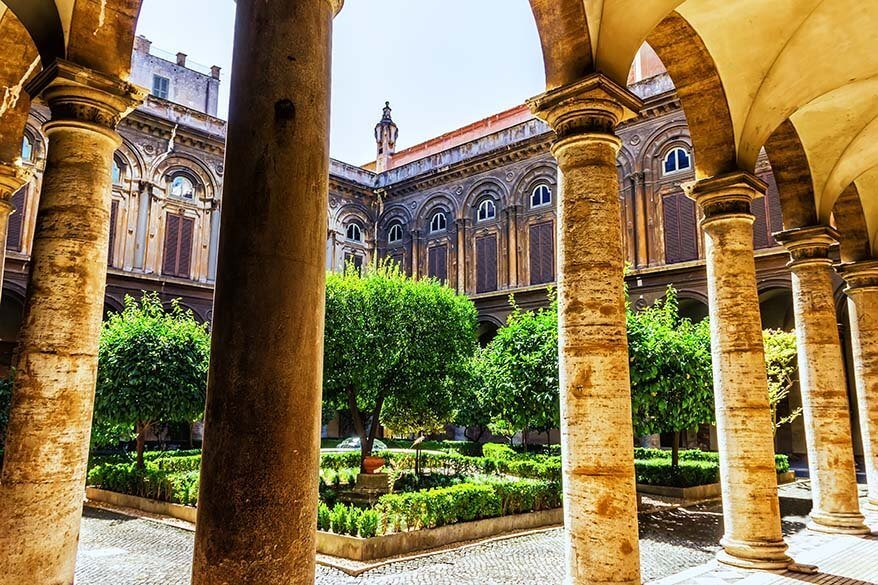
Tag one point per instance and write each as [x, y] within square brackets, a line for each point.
[675, 450]
[140, 443]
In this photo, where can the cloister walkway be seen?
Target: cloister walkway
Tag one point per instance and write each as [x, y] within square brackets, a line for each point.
[677, 546]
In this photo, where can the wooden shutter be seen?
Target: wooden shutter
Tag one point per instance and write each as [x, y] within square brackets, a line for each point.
[688, 228]
[114, 215]
[172, 238]
[681, 228]
[486, 263]
[542, 253]
[184, 253]
[437, 261]
[16, 220]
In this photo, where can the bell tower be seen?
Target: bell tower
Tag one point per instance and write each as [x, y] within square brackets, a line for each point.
[386, 133]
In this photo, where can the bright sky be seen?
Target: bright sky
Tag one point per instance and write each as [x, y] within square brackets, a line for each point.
[441, 63]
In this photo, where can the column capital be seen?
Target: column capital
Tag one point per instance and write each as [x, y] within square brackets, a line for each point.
[859, 276]
[12, 178]
[84, 97]
[337, 5]
[593, 105]
[808, 245]
[462, 222]
[726, 196]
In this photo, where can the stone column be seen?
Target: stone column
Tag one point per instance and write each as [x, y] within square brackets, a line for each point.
[12, 178]
[141, 238]
[862, 291]
[600, 508]
[41, 489]
[751, 510]
[460, 226]
[822, 381]
[215, 215]
[416, 253]
[640, 220]
[512, 250]
[257, 508]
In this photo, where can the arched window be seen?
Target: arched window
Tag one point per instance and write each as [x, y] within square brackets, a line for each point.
[182, 188]
[394, 236]
[487, 210]
[27, 149]
[117, 173]
[354, 233]
[677, 160]
[542, 195]
[439, 223]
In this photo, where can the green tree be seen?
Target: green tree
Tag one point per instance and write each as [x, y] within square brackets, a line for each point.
[671, 378]
[781, 365]
[473, 411]
[152, 368]
[520, 372]
[393, 350]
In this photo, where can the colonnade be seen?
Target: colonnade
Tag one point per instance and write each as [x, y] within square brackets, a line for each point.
[257, 506]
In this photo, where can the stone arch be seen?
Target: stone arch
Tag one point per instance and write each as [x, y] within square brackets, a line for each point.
[19, 63]
[191, 167]
[491, 189]
[701, 92]
[693, 304]
[42, 22]
[662, 141]
[776, 304]
[133, 158]
[396, 215]
[542, 172]
[625, 162]
[850, 220]
[792, 173]
[565, 40]
[101, 35]
[355, 211]
[112, 304]
[436, 202]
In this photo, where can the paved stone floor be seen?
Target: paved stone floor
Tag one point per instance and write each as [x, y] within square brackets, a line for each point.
[120, 550]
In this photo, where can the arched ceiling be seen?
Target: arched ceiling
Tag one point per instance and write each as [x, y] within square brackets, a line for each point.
[812, 62]
[98, 34]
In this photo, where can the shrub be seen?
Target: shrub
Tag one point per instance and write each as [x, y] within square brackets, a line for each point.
[323, 517]
[781, 463]
[526, 495]
[659, 471]
[467, 448]
[532, 467]
[498, 451]
[338, 519]
[338, 461]
[178, 464]
[368, 524]
[353, 520]
[438, 507]
[149, 482]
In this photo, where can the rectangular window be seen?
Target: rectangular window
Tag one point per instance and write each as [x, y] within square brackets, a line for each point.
[16, 220]
[161, 86]
[356, 260]
[437, 263]
[114, 215]
[681, 228]
[177, 259]
[542, 253]
[486, 263]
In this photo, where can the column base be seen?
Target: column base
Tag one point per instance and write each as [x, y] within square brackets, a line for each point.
[764, 556]
[838, 523]
[871, 505]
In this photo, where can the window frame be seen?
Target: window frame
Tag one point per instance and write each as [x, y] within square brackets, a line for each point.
[31, 147]
[161, 85]
[359, 233]
[485, 204]
[390, 234]
[439, 216]
[542, 201]
[673, 152]
[173, 178]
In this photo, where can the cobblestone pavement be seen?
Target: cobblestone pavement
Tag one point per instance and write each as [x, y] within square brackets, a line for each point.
[119, 550]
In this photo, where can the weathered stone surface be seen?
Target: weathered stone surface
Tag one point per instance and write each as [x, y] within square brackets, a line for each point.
[50, 420]
[751, 512]
[822, 383]
[600, 511]
[258, 502]
[862, 291]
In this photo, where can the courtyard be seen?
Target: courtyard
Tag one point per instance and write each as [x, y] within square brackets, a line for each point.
[121, 549]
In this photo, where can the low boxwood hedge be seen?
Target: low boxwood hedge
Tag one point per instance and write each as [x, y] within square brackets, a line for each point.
[150, 482]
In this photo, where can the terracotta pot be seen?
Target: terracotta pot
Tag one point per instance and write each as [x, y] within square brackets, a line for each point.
[372, 464]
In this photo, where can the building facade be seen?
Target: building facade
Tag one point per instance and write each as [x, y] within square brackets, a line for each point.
[475, 208]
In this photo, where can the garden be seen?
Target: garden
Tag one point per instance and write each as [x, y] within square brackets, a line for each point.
[401, 360]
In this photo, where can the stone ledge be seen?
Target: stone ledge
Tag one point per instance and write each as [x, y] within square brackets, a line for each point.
[380, 547]
[700, 492]
[177, 511]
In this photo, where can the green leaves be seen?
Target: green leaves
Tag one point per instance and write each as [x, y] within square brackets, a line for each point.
[152, 366]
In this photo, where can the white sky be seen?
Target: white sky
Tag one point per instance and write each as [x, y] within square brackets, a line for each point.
[441, 63]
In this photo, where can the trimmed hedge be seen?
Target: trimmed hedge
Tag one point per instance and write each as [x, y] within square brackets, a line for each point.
[781, 462]
[498, 451]
[659, 471]
[150, 482]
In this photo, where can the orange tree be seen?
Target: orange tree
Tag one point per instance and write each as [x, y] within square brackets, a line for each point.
[152, 368]
[394, 349]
